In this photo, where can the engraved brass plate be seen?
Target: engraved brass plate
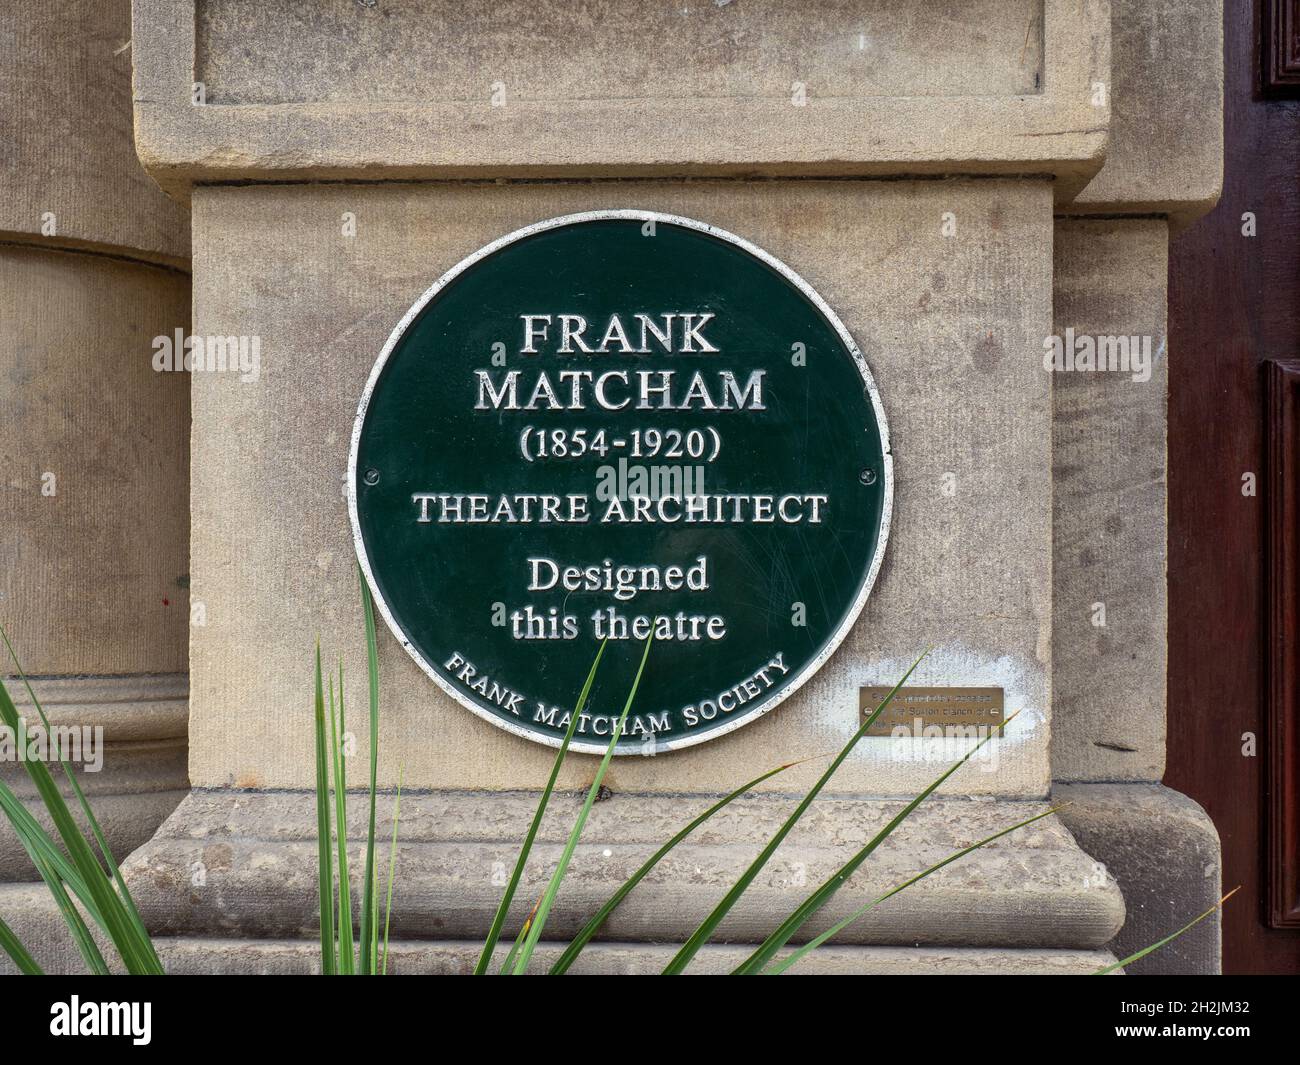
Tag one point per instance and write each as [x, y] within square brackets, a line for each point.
[918, 708]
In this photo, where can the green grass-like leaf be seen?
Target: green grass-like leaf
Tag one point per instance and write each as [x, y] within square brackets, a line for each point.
[81, 935]
[494, 933]
[346, 958]
[130, 912]
[508, 965]
[768, 948]
[584, 936]
[701, 935]
[839, 926]
[324, 834]
[11, 945]
[41, 848]
[1168, 939]
[553, 887]
[53, 868]
[392, 868]
[108, 901]
[369, 898]
[341, 953]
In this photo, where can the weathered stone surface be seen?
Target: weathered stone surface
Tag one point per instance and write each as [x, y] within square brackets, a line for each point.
[1166, 145]
[1163, 850]
[952, 327]
[94, 444]
[889, 88]
[1109, 527]
[244, 864]
[69, 152]
[35, 918]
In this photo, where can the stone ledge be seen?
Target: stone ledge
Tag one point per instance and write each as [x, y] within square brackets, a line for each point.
[34, 917]
[1166, 147]
[1163, 850]
[138, 786]
[244, 864]
[150, 706]
[291, 957]
[322, 125]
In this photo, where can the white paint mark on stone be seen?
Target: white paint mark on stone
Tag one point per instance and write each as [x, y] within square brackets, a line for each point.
[1022, 681]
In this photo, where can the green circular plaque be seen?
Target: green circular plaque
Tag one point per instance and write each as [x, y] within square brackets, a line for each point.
[609, 425]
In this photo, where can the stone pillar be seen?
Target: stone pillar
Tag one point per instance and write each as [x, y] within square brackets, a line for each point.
[93, 442]
[327, 196]
[1163, 170]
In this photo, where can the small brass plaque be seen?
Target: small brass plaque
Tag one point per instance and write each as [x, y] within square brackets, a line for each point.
[918, 708]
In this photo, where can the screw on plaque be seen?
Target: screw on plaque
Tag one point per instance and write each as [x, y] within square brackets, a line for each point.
[867, 476]
[372, 476]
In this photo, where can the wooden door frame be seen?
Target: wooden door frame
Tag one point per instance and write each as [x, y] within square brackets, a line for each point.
[1234, 460]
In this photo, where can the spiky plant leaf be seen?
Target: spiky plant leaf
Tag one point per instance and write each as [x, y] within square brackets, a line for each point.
[346, 957]
[1139, 955]
[839, 926]
[701, 934]
[392, 868]
[774, 942]
[324, 834]
[494, 933]
[116, 912]
[552, 888]
[588, 930]
[369, 903]
[12, 945]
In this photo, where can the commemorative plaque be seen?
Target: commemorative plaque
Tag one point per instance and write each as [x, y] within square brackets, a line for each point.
[614, 426]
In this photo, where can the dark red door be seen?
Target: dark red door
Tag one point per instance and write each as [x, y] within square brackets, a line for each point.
[1234, 467]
